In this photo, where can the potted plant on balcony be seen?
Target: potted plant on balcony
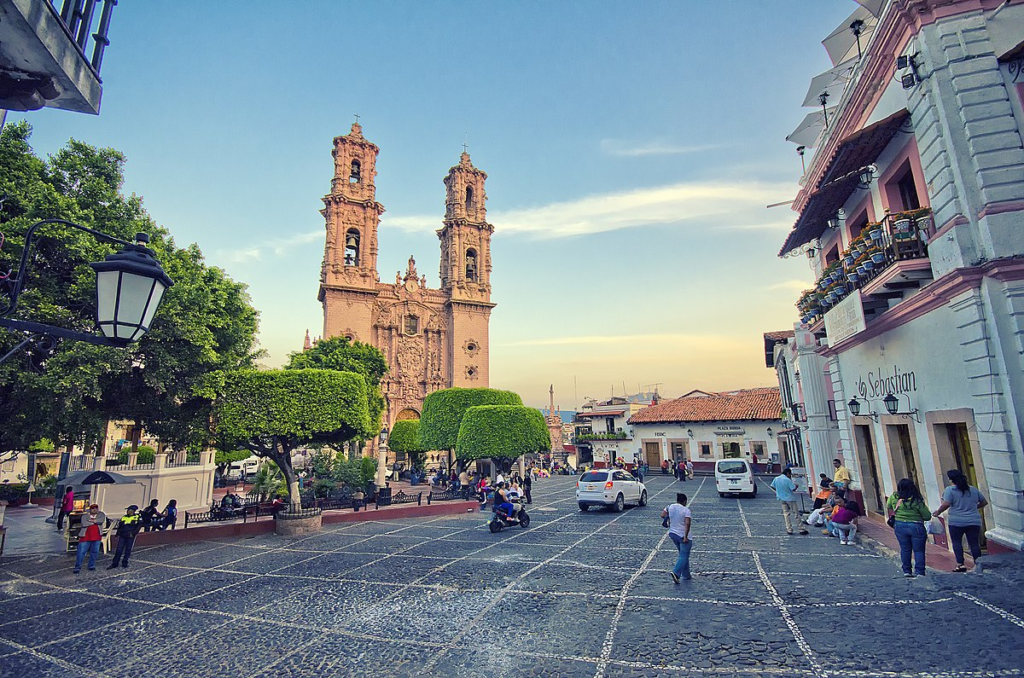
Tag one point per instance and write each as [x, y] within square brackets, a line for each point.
[922, 219]
[848, 257]
[901, 223]
[877, 256]
[874, 231]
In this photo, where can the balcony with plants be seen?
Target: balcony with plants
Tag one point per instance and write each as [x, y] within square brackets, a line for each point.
[888, 260]
[616, 435]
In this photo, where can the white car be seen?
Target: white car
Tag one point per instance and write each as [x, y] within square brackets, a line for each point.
[609, 487]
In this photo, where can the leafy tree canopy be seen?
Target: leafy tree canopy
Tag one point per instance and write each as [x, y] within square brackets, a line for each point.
[223, 458]
[273, 412]
[405, 437]
[338, 353]
[206, 321]
[502, 432]
[443, 411]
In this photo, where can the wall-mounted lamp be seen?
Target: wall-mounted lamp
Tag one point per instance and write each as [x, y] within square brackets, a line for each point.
[867, 174]
[854, 406]
[823, 100]
[800, 151]
[903, 62]
[771, 433]
[892, 406]
[689, 432]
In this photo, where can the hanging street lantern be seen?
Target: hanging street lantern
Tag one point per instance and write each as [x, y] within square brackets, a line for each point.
[129, 288]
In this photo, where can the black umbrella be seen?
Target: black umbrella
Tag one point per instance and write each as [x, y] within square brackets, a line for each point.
[96, 478]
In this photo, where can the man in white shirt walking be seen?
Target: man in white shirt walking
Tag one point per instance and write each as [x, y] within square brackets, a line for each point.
[679, 531]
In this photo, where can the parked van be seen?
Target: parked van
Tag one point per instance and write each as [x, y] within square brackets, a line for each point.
[243, 468]
[733, 476]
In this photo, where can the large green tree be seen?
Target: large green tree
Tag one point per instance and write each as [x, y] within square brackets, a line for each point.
[342, 355]
[271, 413]
[405, 439]
[68, 393]
[502, 433]
[443, 411]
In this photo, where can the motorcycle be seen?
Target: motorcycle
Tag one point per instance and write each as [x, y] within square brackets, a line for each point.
[502, 519]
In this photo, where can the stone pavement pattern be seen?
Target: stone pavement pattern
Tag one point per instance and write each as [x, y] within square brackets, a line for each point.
[576, 594]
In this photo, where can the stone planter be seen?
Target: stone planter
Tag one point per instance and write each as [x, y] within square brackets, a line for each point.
[301, 524]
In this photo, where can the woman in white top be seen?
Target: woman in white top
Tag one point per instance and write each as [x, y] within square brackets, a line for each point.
[679, 531]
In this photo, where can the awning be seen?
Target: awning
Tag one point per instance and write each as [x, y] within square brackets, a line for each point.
[840, 179]
[831, 82]
[615, 413]
[809, 129]
[789, 431]
[844, 43]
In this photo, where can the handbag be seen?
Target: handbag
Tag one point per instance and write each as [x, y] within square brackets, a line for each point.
[891, 522]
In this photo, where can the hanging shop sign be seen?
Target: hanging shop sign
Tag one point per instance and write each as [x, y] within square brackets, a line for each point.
[845, 319]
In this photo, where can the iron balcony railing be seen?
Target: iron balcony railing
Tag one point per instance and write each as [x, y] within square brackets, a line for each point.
[900, 236]
[78, 17]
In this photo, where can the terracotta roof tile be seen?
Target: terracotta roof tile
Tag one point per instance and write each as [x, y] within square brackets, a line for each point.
[779, 336]
[748, 404]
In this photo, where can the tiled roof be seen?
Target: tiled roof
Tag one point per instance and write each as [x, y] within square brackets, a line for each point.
[779, 336]
[748, 404]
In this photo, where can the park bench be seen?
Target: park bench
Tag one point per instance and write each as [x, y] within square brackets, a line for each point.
[463, 493]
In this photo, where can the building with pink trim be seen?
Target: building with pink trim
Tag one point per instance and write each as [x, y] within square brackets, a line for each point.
[911, 216]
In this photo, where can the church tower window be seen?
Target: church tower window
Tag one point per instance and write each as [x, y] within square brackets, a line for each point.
[354, 174]
[471, 265]
[352, 248]
[469, 197]
[412, 325]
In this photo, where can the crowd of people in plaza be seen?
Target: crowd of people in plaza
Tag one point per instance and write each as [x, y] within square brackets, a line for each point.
[838, 515]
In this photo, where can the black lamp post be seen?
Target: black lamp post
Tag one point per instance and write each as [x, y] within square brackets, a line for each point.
[129, 288]
[854, 406]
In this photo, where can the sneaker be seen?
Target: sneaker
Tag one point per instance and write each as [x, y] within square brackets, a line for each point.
[908, 575]
[826, 533]
[675, 577]
[112, 566]
[92, 569]
[849, 542]
[75, 571]
[842, 542]
[804, 532]
[789, 533]
[125, 566]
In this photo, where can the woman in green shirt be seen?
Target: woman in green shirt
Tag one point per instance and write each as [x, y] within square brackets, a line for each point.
[911, 512]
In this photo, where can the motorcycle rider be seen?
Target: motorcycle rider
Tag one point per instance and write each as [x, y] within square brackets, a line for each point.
[501, 501]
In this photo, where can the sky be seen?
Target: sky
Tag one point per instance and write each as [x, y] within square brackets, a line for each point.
[631, 151]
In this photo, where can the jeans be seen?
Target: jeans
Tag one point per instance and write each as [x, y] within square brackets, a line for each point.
[124, 550]
[90, 547]
[682, 568]
[60, 518]
[912, 538]
[846, 532]
[956, 534]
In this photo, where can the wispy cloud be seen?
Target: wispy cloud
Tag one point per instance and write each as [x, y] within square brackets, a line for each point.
[711, 205]
[277, 246]
[630, 339]
[625, 149]
[413, 224]
[791, 285]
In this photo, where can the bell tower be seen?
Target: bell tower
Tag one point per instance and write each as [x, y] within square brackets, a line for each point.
[352, 216]
[348, 275]
[466, 273]
[466, 235]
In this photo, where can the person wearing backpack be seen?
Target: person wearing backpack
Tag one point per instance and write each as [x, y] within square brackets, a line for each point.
[963, 501]
[910, 513]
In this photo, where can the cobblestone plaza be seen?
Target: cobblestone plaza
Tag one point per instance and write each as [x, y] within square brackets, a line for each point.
[584, 594]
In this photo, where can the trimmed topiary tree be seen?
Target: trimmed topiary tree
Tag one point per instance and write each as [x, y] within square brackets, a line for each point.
[272, 412]
[405, 439]
[502, 433]
[443, 411]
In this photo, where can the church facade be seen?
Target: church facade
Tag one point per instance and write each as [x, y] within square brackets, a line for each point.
[432, 338]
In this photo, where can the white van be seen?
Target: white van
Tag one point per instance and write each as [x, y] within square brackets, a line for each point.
[243, 468]
[733, 476]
